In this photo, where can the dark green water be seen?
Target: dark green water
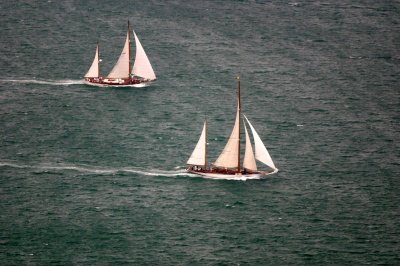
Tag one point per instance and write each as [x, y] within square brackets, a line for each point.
[95, 176]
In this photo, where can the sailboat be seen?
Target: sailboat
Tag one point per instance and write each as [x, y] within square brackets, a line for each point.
[123, 74]
[228, 164]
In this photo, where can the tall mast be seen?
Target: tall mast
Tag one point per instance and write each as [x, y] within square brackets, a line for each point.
[129, 51]
[239, 107]
[98, 59]
[205, 147]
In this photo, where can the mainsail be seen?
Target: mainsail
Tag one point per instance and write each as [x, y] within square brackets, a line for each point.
[94, 70]
[249, 162]
[122, 68]
[261, 152]
[230, 154]
[142, 67]
[199, 153]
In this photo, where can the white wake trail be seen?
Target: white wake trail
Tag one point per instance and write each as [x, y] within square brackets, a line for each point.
[3, 164]
[156, 172]
[61, 82]
[97, 170]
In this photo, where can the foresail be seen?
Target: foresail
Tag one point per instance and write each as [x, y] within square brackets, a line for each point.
[261, 152]
[121, 68]
[198, 156]
[93, 71]
[229, 156]
[249, 162]
[142, 67]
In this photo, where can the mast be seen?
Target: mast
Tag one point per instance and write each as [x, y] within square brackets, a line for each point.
[129, 51]
[98, 59]
[205, 148]
[239, 107]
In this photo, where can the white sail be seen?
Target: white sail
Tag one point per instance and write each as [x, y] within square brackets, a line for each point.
[93, 71]
[230, 154]
[121, 68]
[198, 156]
[261, 152]
[142, 67]
[249, 162]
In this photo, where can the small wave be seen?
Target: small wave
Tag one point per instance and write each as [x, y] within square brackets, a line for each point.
[61, 82]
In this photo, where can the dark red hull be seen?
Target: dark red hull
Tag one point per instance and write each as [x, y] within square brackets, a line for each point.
[122, 82]
[220, 171]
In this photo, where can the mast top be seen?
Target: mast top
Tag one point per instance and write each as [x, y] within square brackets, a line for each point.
[239, 111]
[238, 92]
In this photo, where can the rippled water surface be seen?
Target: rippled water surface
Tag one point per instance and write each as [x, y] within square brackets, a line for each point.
[95, 176]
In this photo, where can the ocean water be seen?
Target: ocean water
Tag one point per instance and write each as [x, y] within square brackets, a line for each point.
[95, 176]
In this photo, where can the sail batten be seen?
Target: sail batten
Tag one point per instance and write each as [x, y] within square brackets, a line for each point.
[199, 153]
[121, 68]
[94, 70]
[261, 152]
[249, 161]
[142, 67]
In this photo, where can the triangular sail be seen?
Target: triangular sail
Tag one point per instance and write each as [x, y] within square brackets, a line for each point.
[198, 156]
[93, 71]
[230, 154]
[249, 162]
[121, 68]
[261, 152]
[142, 67]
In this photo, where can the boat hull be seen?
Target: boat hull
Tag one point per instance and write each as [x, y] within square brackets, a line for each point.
[106, 82]
[231, 176]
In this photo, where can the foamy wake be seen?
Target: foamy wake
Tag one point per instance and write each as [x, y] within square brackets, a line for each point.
[61, 82]
[97, 170]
